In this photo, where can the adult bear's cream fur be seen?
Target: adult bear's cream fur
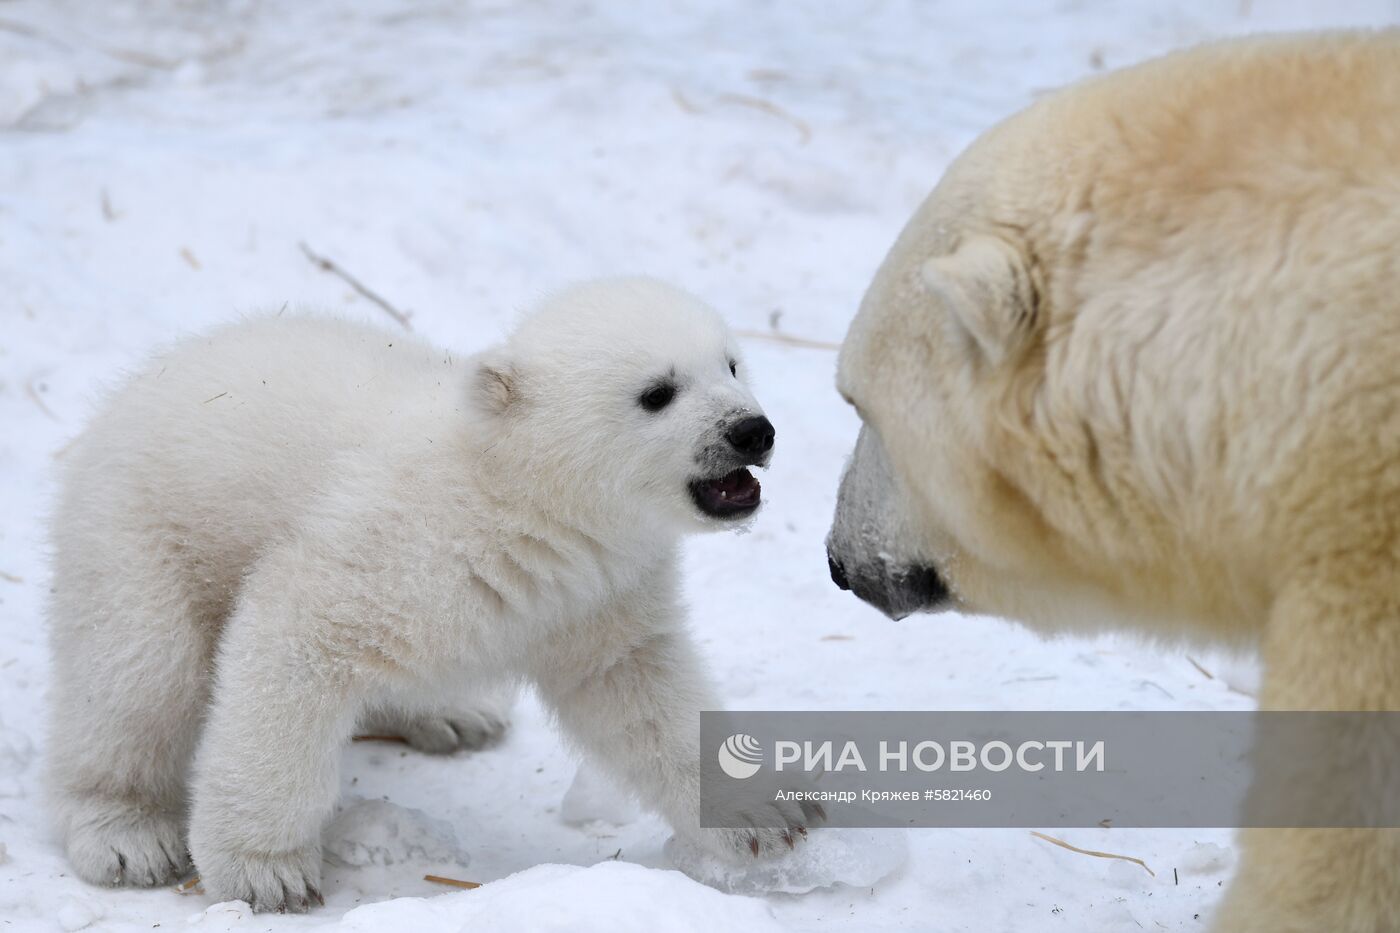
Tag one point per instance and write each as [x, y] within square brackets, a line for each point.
[1136, 361]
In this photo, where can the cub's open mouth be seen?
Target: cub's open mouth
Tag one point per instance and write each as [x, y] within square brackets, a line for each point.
[729, 496]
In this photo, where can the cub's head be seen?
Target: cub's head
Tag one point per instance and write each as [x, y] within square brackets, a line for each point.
[626, 400]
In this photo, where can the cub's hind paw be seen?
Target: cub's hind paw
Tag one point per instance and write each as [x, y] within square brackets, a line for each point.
[465, 730]
[441, 733]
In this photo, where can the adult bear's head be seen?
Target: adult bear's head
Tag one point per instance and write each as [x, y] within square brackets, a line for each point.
[944, 364]
[932, 356]
[1093, 355]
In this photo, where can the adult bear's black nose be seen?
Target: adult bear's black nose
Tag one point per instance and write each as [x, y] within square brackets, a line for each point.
[838, 573]
[752, 436]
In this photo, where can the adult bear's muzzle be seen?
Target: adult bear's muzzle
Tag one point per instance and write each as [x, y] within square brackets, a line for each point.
[872, 549]
[898, 593]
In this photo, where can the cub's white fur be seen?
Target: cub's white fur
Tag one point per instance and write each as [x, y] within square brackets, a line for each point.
[292, 524]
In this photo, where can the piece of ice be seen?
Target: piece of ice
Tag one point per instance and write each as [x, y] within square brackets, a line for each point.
[593, 796]
[828, 857]
[221, 917]
[1205, 858]
[376, 832]
[78, 915]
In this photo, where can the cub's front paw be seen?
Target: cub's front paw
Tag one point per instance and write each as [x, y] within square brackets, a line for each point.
[281, 881]
[764, 829]
[121, 843]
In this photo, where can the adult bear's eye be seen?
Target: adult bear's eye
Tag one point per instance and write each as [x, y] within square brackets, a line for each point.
[658, 396]
[733, 368]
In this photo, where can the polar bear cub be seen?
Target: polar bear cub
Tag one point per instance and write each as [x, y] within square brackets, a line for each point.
[292, 525]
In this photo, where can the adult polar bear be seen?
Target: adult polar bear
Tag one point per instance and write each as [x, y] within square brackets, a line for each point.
[1138, 357]
[347, 523]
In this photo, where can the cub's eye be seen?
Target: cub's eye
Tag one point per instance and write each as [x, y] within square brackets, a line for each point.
[733, 368]
[658, 396]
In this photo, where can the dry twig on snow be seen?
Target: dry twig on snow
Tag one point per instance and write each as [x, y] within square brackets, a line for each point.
[32, 391]
[1197, 665]
[804, 132]
[1065, 845]
[791, 341]
[762, 105]
[325, 265]
[453, 882]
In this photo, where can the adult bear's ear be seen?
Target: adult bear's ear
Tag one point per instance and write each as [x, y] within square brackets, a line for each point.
[990, 297]
[495, 385]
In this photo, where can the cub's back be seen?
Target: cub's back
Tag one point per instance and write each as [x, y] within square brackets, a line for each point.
[217, 445]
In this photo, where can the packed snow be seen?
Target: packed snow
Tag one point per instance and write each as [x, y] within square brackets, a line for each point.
[377, 832]
[161, 165]
[593, 797]
[858, 858]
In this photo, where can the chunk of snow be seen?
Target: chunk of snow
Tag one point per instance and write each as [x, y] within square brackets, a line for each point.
[376, 832]
[225, 915]
[1205, 858]
[78, 915]
[829, 857]
[593, 796]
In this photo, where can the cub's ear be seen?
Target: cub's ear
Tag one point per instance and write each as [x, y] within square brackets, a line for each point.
[495, 383]
[987, 289]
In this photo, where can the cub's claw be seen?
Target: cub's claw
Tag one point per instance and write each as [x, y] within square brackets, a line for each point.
[284, 882]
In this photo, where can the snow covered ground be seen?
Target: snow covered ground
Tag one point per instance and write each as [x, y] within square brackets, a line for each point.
[161, 162]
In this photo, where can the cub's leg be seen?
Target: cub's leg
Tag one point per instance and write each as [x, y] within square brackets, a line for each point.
[1329, 646]
[132, 646]
[290, 681]
[477, 720]
[633, 701]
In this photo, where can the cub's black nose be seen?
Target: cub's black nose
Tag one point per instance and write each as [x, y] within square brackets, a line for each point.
[838, 573]
[752, 436]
